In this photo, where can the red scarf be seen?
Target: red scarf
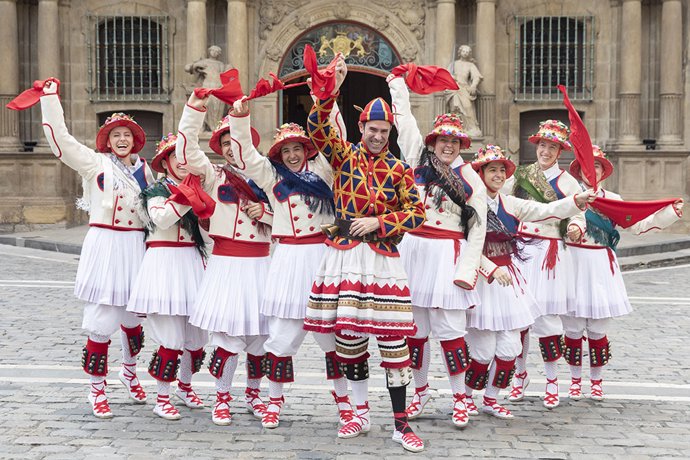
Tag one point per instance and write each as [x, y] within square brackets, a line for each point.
[628, 213]
[190, 193]
[31, 96]
[425, 79]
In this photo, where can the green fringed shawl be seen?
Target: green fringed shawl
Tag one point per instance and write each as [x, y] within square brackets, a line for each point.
[530, 183]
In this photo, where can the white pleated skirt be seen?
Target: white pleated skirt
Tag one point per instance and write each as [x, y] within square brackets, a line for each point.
[168, 281]
[430, 267]
[108, 266]
[598, 292]
[230, 296]
[504, 308]
[550, 288]
[290, 277]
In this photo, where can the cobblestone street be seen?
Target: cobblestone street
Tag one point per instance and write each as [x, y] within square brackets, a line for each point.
[44, 412]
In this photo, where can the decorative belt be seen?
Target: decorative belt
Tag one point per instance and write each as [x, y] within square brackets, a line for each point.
[341, 228]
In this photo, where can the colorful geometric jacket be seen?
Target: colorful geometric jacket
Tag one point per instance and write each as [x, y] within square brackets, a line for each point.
[367, 185]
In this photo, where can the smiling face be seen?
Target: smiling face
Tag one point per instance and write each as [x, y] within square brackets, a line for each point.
[547, 153]
[173, 167]
[494, 177]
[226, 148]
[121, 141]
[447, 148]
[375, 134]
[293, 156]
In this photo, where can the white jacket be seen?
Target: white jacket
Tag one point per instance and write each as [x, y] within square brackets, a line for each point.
[110, 196]
[228, 220]
[447, 217]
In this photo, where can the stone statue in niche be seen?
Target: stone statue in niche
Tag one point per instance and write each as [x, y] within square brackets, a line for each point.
[467, 76]
[207, 72]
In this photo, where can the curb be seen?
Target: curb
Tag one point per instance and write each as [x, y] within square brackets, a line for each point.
[55, 246]
[641, 250]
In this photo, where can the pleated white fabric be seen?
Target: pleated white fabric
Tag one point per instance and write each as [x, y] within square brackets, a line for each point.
[598, 292]
[550, 288]
[430, 267]
[108, 266]
[504, 308]
[168, 281]
[290, 277]
[230, 296]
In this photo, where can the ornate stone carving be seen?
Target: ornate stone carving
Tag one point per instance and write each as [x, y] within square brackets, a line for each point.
[409, 54]
[274, 53]
[342, 11]
[381, 22]
[302, 21]
[271, 12]
[410, 12]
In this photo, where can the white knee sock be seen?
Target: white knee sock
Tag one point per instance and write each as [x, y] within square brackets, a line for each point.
[521, 360]
[163, 388]
[185, 368]
[457, 383]
[253, 383]
[491, 390]
[575, 371]
[360, 391]
[595, 372]
[340, 386]
[224, 383]
[275, 389]
[551, 369]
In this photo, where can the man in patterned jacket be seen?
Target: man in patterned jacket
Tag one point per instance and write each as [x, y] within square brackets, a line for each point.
[361, 286]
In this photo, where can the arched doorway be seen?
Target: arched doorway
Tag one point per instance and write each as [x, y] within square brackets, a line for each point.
[369, 57]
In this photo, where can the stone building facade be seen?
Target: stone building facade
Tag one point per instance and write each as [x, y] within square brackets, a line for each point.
[624, 62]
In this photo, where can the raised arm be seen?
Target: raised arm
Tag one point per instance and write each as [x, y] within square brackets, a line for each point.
[77, 156]
[410, 139]
[533, 211]
[187, 149]
[254, 165]
[323, 134]
[657, 221]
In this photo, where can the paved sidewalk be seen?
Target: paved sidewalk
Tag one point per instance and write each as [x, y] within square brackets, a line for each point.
[634, 252]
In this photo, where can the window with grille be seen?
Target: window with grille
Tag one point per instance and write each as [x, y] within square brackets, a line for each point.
[553, 50]
[129, 58]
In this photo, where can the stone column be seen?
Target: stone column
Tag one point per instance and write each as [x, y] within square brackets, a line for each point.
[630, 70]
[671, 88]
[9, 77]
[485, 53]
[196, 30]
[237, 43]
[48, 39]
[445, 43]
[445, 33]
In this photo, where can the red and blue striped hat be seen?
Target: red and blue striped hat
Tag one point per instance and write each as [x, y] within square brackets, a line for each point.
[378, 109]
